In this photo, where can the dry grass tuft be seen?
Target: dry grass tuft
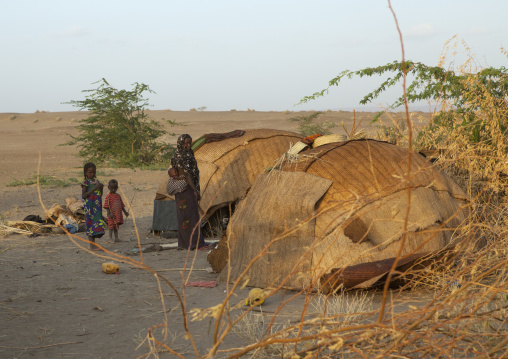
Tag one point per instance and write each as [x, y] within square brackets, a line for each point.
[22, 227]
[343, 308]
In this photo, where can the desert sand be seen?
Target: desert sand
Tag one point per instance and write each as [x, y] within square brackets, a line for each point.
[55, 301]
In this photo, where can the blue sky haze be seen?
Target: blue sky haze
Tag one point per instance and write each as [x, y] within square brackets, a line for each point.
[224, 54]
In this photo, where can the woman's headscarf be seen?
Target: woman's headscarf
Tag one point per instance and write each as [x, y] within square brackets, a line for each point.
[185, 159]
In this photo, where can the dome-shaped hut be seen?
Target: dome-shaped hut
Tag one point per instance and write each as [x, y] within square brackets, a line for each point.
[338, 214]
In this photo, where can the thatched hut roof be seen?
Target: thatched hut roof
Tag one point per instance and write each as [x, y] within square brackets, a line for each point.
[229, 167]
[340, 207]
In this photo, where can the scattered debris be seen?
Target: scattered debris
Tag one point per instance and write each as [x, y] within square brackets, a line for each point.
[145, 249]
[71, 215]
[256, 297]
[203, 283]
[110, 268]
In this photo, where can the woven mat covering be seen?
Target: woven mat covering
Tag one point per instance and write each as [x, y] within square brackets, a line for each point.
[272, 204]
[373, 232]
[364, 171]
[211, 152]
[372, 168]
[360, 215]
[238, 168]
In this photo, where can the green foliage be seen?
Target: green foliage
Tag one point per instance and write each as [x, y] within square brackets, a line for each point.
[43, 181]
[118, 131]
[465, 93]
[430, 83]
[307, 126]
[393, 134]
[175, 123]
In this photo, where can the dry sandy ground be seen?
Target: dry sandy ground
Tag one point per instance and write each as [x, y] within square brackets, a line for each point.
[55, 301]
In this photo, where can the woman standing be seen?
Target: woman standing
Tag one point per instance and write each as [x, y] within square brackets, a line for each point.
[184, 185]
[185, 160]
[180, 185]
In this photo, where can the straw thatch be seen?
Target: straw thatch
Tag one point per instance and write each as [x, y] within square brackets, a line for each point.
[229, 167]
[358, 194]
[24, 227]
[324, 140]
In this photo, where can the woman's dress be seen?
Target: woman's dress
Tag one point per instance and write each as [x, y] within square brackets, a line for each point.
[187, 214]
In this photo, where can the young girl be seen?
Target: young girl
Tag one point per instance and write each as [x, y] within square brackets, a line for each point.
[91, 192]
[114, 205]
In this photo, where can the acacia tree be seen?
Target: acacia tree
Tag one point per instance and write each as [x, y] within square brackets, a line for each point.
[307, 126]
[467, 94]
[118, 130]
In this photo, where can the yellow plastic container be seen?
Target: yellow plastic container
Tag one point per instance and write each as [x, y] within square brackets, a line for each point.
[110, 268]
[256, 297]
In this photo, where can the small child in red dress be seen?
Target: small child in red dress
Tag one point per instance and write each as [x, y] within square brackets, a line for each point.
[114, 205]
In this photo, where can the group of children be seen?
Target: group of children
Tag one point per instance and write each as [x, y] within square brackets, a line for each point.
[92, 195]
[183, 183]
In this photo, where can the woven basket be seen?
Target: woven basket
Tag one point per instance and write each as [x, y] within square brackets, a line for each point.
[323, 140]
[297, 148]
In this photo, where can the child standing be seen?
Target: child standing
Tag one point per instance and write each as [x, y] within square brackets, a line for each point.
[114, 205]
[91, 192]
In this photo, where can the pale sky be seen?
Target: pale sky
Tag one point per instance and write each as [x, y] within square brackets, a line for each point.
[263, 55]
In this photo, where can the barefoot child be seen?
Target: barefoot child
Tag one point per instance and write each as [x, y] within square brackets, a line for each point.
[91, 192]
[114, 205]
